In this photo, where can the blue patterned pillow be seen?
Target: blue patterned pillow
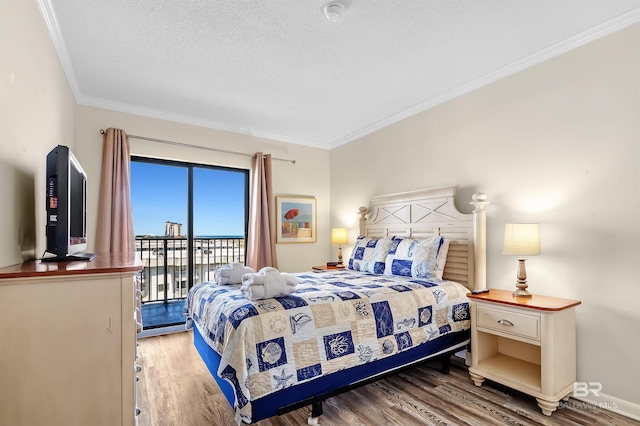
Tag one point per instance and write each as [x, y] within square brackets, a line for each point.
[369, 255]
[414, 258]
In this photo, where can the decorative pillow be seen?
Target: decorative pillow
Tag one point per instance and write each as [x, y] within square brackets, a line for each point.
[369, 255]
[442, 258]
[414, 258]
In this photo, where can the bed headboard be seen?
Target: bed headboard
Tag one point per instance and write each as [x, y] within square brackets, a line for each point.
[430, 212]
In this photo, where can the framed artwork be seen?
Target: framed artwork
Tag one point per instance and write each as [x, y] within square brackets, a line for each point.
[295, 220]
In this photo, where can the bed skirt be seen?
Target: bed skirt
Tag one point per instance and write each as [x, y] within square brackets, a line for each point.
[278, 402]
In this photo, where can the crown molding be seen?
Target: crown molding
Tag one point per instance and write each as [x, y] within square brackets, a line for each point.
[571, 43]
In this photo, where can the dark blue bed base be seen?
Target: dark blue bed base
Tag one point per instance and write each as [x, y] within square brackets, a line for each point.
[314, 391]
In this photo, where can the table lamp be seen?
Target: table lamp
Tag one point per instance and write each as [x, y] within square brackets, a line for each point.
[521, 239]
[339, 237]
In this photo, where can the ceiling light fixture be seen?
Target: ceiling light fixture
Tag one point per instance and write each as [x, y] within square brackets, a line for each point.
[334, 11]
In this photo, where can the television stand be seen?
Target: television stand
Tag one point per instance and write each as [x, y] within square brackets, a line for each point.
[71, 258]
[82, 369]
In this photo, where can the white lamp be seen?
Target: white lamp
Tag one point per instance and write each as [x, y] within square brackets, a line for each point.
[521, 239]
[339, 236]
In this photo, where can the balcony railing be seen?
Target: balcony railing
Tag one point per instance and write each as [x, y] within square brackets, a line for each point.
[165, 275]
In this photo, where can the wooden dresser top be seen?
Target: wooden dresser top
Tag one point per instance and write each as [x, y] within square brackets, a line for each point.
[103, 263]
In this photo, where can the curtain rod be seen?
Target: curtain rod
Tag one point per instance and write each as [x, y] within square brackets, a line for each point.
[102, 132]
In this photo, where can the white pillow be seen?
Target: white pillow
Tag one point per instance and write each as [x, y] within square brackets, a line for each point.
[442, 258]
[414, 258]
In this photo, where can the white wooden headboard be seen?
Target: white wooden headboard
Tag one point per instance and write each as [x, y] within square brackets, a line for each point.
[430, 212]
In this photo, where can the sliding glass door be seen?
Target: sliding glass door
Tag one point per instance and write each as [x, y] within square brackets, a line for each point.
[188, 220]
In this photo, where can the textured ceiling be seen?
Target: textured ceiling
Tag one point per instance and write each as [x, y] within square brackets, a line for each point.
[279, 69]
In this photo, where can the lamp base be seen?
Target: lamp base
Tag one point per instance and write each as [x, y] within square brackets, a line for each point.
[522, 289]
[521, 292]
[522, 280]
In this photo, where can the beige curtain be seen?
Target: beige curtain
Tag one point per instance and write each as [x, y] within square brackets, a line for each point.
[261, 246]
[114, 233]
[115, 217]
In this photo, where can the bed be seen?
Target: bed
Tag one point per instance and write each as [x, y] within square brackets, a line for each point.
[401, 301]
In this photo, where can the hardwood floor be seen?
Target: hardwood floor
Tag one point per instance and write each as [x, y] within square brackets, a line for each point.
[176, 389]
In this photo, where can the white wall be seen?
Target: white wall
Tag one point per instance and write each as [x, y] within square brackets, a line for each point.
[557, 144]
[37, 112]
[308, 177]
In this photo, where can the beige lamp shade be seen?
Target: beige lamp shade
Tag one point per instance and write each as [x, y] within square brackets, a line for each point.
[521, 239]
[339, 236]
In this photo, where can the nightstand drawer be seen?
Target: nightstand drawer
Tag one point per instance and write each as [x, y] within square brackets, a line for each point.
[517, 324]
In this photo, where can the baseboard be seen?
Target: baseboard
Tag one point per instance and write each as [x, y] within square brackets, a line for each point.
[161, 330]
[611, 403]
[466, 355]
[461, 354]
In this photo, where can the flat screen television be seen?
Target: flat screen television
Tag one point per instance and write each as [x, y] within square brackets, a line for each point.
[66, 207]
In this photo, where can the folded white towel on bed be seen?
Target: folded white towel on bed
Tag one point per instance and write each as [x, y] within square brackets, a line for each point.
[232, 273]
[268, 282]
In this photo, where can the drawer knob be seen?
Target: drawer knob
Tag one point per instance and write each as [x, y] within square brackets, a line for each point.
[505, 322]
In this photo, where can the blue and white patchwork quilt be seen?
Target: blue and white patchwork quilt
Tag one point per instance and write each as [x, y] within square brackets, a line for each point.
[335, 320]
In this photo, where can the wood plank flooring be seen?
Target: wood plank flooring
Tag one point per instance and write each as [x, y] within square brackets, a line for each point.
[176, 389]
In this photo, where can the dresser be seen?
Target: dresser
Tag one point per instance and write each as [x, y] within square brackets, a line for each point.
[528, 344]
[68, 342]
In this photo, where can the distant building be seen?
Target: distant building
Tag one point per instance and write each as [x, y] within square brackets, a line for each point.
[172, 229]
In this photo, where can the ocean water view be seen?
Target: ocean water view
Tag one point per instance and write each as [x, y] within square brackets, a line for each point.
[197, 237]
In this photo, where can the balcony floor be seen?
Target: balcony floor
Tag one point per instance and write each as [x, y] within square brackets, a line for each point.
[159, 314]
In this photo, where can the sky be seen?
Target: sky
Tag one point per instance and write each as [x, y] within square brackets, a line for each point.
[159, 195]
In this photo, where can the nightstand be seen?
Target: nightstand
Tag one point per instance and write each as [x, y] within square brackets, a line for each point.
[327, 268]
[528, 344]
